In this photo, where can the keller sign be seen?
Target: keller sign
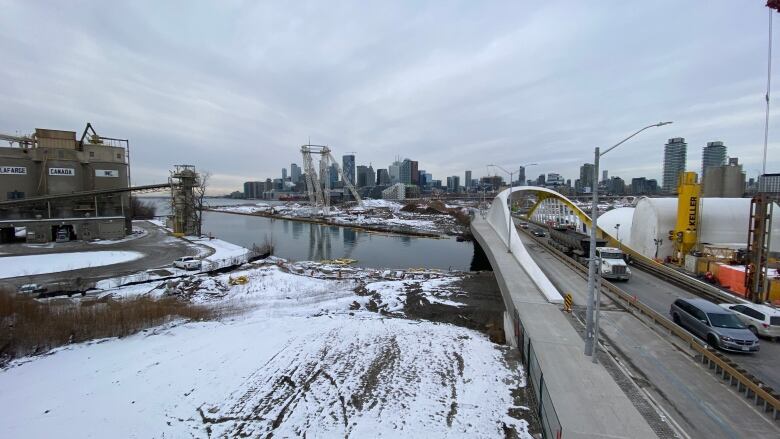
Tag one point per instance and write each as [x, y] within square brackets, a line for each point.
[68, 172]
[13, 170]
[106, 173]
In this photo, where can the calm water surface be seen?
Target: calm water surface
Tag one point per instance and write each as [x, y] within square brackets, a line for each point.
[300, 241]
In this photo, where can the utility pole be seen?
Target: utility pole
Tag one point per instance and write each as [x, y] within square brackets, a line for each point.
[591, 315]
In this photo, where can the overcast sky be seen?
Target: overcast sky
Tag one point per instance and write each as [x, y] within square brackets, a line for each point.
[235, 87]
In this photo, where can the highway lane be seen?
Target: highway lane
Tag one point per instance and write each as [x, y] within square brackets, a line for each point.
[659, 294]
[697, 400]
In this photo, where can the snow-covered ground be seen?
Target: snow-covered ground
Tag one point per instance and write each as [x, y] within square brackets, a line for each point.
[386, 204]
[424, 225]
[225, 254]
[301, 361]
[157, 222]
[13, 266]
[260, 207]
[377, 213]
[222, 249]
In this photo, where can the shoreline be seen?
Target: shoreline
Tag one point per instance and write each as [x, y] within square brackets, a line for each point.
[348, 226]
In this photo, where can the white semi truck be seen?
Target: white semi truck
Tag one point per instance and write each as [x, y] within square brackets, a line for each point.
[613, 263]
[577, 245]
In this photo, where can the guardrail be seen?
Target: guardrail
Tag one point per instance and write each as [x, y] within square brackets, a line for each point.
[746, 383]
[681, 279]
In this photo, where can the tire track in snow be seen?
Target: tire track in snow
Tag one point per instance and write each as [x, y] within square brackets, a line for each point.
[343, 380]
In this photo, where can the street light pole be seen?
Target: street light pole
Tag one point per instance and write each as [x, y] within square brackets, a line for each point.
[591, 315]
[509, 203]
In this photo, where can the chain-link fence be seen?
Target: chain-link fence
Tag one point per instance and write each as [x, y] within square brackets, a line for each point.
[551, 426]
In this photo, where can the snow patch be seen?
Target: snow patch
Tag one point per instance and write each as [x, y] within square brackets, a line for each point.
[382, 204]
[13, 266]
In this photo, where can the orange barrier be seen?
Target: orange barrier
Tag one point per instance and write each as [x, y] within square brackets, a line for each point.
[733, 278]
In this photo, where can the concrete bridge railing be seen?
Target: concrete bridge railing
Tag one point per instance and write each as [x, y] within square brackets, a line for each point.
[499, 218]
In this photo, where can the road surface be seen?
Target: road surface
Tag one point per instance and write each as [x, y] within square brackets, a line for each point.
[692, 396]
[158, 247]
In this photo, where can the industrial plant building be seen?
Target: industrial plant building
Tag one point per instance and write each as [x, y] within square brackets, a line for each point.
[724, 181]
[54, 186]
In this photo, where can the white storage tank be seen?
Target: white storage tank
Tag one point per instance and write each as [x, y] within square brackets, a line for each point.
[721, 221]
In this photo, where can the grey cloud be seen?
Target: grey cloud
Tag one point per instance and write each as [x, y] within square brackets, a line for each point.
[235, 87]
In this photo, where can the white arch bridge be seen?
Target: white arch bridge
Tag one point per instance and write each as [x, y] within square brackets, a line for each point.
[563, 379]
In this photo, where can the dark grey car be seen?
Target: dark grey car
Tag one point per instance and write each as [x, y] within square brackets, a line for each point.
[719, 326]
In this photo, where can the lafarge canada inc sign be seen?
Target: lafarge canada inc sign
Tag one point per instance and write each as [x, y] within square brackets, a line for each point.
[68, 172]
[106, 173]
[13, 170]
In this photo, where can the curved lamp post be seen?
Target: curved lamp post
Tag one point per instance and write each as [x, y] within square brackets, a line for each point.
[591, 324]
[509, 201]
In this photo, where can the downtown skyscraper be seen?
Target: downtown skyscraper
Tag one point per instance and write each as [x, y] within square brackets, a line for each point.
[714, 154]
[675, 154]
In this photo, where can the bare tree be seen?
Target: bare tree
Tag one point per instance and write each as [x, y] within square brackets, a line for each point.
[141, 209]
[199, 195]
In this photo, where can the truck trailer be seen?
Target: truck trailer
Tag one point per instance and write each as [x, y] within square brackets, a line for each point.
[612, 264]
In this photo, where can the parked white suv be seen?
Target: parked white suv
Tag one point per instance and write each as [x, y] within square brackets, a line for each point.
[761, 319]
[187, 263]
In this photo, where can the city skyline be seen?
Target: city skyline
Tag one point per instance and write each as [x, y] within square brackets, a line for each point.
[368, 176]
[539, 83]
[713, 154]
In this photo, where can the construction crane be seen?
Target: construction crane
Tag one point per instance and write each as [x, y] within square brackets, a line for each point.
[318, 184]
[685, 234]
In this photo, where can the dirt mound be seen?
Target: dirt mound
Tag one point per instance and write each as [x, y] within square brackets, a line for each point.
[409, 207]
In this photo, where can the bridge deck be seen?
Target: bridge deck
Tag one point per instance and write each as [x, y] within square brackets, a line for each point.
[587, 400]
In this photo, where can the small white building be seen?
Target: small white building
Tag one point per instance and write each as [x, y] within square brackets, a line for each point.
[395, 192]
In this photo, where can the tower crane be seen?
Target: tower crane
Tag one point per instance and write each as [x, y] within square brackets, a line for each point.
[318, 184]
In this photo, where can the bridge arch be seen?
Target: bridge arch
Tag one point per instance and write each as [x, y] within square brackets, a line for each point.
[547, 207]
[552, 205]
[499, 218]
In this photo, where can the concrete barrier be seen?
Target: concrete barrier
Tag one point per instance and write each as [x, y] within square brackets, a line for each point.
[498, 216]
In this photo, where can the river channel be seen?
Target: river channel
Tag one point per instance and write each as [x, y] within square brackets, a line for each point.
[296, 240]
